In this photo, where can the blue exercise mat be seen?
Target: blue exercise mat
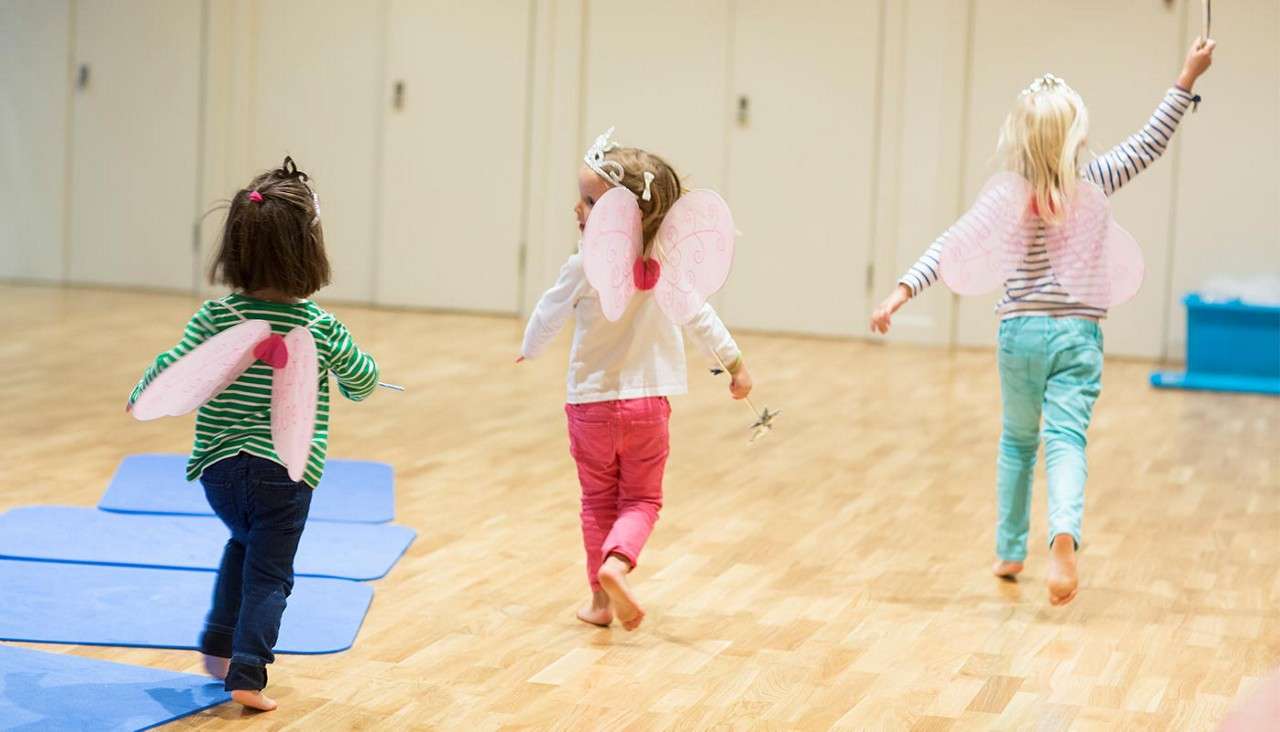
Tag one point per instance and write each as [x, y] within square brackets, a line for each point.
[100, 605]
[87, 535]
[55, 692]
[1215, 382]
[350, 490]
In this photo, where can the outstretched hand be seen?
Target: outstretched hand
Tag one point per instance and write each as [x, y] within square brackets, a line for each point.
[882, 316]
[1199, 58]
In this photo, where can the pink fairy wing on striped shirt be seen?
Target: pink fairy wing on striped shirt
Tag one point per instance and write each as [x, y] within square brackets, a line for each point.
[294, 390]
[201, 374]
[981, 250]
[1093, 258]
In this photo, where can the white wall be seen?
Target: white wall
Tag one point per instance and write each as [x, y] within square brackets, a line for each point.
[1226, 215]
[35, 53]
[906, 111]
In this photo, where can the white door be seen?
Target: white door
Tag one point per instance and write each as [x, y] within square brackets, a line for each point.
[1228, 193]
[454, 146]
[35, 38]
[317, 80]
[134, 142]
[800, 163]
[658, 71]
[1121, 57]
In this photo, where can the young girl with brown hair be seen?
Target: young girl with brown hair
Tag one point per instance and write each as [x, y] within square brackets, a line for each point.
[272, 256]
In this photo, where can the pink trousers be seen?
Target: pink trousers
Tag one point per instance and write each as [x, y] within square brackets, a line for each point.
[621, 450]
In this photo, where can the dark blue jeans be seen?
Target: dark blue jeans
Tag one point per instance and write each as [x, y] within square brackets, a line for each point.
[265, 512]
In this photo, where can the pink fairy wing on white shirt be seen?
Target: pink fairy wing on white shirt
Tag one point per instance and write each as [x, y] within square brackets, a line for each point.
[201, 374]
[611, 243]
[1095, 260]
[294, 390]
[982, 248]
[695, 251]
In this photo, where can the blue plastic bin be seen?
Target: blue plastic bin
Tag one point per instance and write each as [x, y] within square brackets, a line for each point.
[1231, 346]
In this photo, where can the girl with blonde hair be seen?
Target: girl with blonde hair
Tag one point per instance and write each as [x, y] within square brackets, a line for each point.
[1050, 344]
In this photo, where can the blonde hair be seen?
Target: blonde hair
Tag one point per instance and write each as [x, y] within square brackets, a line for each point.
[664, 191]
[1041, 139]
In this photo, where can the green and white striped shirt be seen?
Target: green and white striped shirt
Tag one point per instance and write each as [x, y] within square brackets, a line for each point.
[239, 418]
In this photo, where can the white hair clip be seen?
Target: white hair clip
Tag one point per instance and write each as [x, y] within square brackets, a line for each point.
[315, 199]
[1048, 81]
[610, 170]
[648, 180]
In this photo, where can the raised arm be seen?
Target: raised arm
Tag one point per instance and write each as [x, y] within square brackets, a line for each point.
[1123, 162]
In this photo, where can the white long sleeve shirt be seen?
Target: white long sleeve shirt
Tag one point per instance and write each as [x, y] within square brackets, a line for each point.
[1034, 289]
[639, 355]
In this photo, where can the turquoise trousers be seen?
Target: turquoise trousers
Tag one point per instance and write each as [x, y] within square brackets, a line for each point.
[1050, 368]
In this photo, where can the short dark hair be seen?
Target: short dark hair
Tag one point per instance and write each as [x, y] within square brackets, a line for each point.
[272, 237]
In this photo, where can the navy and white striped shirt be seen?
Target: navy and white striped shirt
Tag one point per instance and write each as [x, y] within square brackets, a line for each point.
[1035, 289]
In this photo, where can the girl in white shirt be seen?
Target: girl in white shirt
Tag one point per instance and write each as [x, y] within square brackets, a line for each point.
[620, 375]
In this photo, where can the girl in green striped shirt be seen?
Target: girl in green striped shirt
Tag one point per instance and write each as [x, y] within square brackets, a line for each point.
[272, 255]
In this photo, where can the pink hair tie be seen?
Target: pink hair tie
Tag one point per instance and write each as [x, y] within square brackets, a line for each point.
[255, 197]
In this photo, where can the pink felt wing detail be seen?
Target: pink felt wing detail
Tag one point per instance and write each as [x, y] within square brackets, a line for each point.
[294, 391]
[611, 243]
[981, 250]
[1096, 261]
[198, 376]
[695, 249]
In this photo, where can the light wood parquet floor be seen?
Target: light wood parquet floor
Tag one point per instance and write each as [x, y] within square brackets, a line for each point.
[834, 575]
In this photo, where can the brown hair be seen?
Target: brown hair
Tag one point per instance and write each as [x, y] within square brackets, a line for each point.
[273, 238]
[663, 191]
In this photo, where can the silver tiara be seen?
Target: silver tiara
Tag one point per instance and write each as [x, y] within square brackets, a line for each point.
[1048, 81]
[611, 170]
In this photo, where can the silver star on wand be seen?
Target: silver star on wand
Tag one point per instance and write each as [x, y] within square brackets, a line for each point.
[763, 424]
[764, 419]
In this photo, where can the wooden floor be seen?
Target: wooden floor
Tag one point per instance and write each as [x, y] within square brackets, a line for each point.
[834, 575]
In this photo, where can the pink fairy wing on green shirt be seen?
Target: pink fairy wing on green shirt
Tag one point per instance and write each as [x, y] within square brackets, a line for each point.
[201, 374]
[293, 402]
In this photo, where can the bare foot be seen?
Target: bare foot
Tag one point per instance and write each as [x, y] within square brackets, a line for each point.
[1006, 570]
[216, 666]
[253, 700]
[1061, 576]
[597, 612]
[613, 578]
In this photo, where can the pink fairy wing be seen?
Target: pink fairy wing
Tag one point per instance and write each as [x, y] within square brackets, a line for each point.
[611, 243]
[981, 249]
[198, 376]
[1096, 262]
[293, 402]
[695, 250]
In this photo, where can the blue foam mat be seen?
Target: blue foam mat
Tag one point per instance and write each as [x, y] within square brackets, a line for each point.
[350, 490]
[92, 604]
[87, 535]
[1215, 382]
[56, 692]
